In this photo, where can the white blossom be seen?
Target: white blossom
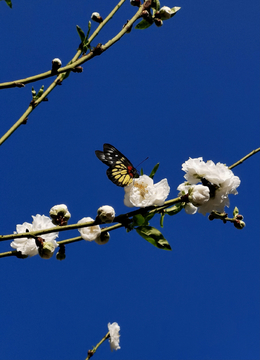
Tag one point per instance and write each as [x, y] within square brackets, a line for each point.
[190, 209]
[27, 246]
[106, 214]
[197, 194]
[219, 178]
[114, 335]
[142, 192]
[89, 233]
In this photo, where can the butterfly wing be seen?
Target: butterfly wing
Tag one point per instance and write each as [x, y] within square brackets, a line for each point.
[121, 171]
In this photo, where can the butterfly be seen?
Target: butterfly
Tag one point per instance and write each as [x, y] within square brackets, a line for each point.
[121, 171]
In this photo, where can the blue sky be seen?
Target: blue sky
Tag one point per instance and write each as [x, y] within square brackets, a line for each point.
[187, 89]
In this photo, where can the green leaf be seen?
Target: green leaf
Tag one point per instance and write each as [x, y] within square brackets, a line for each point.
[9, 3]
[33, 93]
[85, 42]
[143, 24]
[156, 5]
[153, 236]
[154, 170]
[81, 34]
[138, 220]
[67, 73]
[89, 28]
[175, 9]
[174, 209]
[141, 171]
[161, 219]
[39, 94]
[235, 212]
[143, 220]
[149, 216]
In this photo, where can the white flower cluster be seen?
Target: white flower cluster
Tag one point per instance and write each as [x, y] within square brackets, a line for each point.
[217, 182]
[114, 335]
[27, 246]
[93, 233]
[142, 192]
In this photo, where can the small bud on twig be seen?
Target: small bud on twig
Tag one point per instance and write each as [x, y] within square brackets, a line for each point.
[77, 69]
[129, 27]
[103, 238]
[56, 64]
[97, 50]
[135, 3]
[61, 253]
[25, 121]
[158, 22]
[17, 84]
[96, 17]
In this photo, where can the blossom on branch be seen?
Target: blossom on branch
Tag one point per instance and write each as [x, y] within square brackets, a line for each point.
[89, 233]
[27, 245]
[106, 214]
[142, 192]
[198, 194]
[114, 336]
[60, 214]
[217, 182]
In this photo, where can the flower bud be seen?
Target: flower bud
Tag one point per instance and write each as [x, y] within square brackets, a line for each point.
[106, 214]
[103, 238]
[61, 253]
[60, 214]
[239, 224]
[129, 27]
[56, 64]
[199, 194]
[60, 256]
[158, 22]
[135, 2]
[96, 17]
[47, 250]
[166, 12]
[77, 69]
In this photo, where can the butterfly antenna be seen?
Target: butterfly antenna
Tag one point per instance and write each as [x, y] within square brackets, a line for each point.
[143, 161]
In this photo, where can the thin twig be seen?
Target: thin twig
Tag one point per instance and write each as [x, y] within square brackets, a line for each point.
[49, 73]
[74, 63]
[92, 352]
[120, 219]
[244, 158]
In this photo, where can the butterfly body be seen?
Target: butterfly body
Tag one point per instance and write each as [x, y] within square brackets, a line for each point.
[121, 171]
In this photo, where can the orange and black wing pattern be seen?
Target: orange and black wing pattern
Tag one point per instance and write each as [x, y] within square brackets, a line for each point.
[121, 171]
